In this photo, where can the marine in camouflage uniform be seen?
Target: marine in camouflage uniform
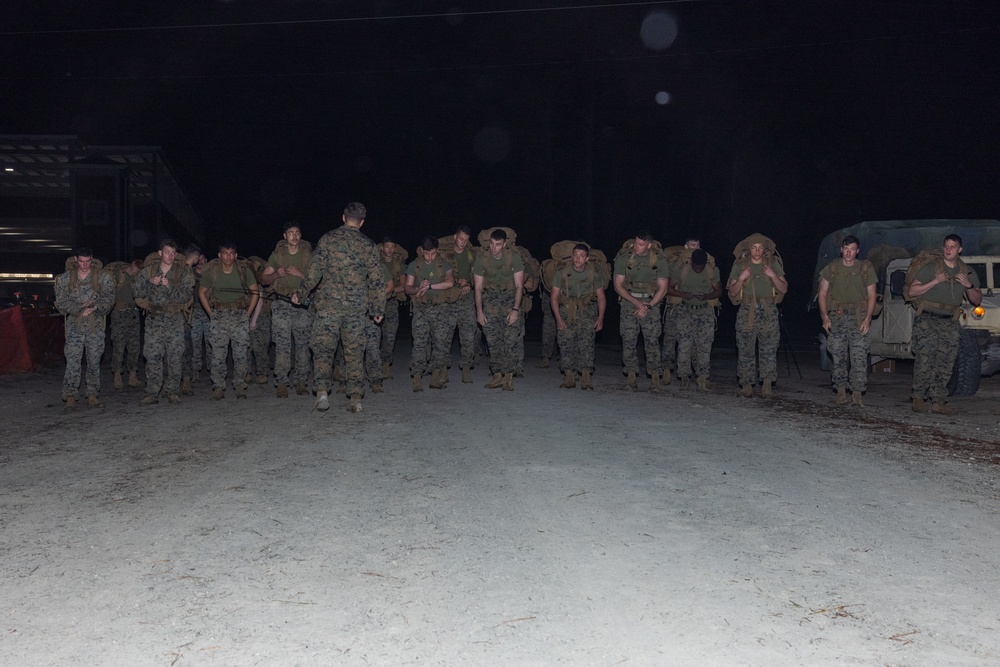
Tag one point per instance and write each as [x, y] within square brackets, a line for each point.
[846, 298]
[291, 325]
[84, 295]
[698, 287]
[463, 310]
[549, 329]
[671, 322]
[640, 280]
[578, 303]
[347, 276]
[938, 290]
[373, 336]
[429, 283]
[752, 284]
[499, 286]
[126, 324]
[259, 366]
[200, 345]
[229, 294]
[163, 289]
[396, 268]
[193, 258]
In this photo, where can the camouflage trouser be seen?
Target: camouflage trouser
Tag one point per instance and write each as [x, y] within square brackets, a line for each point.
[695, 333]
[390, 325]
[229, 327]
[164, 340]
[502, 338]
[935, 346]
[630, 326]
[672, 314]
[200, 324]
[330, 328]
[260, 344]
[431, 338]
[125, 340]
[290, 329]
[576, 341]
[757, 343]
[373, 355]
[847, 345]
[548, 327]
[463, 316]
[87, 335]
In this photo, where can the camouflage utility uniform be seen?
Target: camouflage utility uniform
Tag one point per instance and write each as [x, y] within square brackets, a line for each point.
[641, 275]
[346, 268]
[126, 326]
[757, 326]
[847, 306]
[84, 333]
[291, 325]
[463, 311]
[390, 323]
[432, 325]
[230, 320]
[498, 300]
[549, 337]
[695, 321]
[166, 307]
[578, 309]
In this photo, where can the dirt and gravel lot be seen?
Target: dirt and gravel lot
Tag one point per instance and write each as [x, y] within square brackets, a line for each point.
[541, 526]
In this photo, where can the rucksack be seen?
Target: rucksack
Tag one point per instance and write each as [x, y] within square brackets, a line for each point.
[450, 295]
[680, 257]
[399, 256]
[96, 267]
[213, 268]
[923, 258]
[562, 255]
[771, 257]
[655, 256]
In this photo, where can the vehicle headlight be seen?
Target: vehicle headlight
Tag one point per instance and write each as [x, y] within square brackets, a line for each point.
[979, 312]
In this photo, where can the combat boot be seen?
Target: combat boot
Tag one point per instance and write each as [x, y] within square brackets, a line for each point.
[186, 385]
[241, 392]
[585, 382]
[385, 370]
[508, 382]
[342, 389]
[94, 402]
[133, 380]
[654, 382]
[301, 389]
[841, 398]
[322, 402]
[943, 409]
[416, 383]
[377, 388]
[765, 389]
[437, 382]
[218, 394]
[704, 384]
[149, 399]
[70, 403]
[119, 385]
[685, 383]
[282, 391]
[466, 375]
[260, 379]
[665, 380]
[569, 382]
[355, 404]
[631, 381]
[544, 363]
[919, 405]
[174, 398]
[856, 399]
[747, 391]
[496, 382]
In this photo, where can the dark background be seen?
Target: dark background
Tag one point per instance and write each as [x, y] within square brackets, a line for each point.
[790, 118]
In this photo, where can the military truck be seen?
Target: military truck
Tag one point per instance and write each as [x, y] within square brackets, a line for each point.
[889, 246]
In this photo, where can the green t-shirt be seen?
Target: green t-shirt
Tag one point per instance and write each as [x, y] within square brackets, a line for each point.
[463, 265]
[435, 271]
[227, 287]
[123, 294]
[640, 275]
[848, 284]
[950, 293]
[691, 281]
[573, 284]
[757, 285]
[498, 273]
[288, 283]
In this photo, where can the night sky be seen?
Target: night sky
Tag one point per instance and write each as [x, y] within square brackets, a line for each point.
[561, 119]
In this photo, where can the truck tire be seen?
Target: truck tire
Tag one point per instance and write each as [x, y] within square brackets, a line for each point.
[968, 366]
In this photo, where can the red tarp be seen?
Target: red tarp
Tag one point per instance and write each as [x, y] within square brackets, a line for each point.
[29, 340]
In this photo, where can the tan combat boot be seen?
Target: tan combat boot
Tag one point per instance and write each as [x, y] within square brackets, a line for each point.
[569, 382]
[765, 389]
[496, 382]
[342, 388]
[466, 375]
[654, 382]
[70, 403]
[241, 392]
[133, 380]
[747, 391]
[260, 379]
[149, 399]
[322, 401]
[416, 383]
[631, 381]
[282, 391]
[355, 404]
[385, 370]
[841, 398]
[544, 363]
[174, 398]
[437, 382]
[186, 385]
[665, 380]
[585, 382]
[218, 394]
[704, 384]
[943, 409]
[856, 399]
[119, 385]
[301, 389]
[919, 405]
[508, 382]
[94, 402]
[377, 388]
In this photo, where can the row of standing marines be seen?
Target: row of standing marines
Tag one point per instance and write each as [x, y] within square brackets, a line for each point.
[342, 299]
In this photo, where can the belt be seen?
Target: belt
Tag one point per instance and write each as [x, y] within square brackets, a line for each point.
[229, 306]
[939, 316]
[841, 311]
[696, 306]
[640, 295]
